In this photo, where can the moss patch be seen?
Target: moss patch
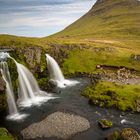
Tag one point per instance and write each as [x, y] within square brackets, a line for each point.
[5, 135]
[105, 123]
[107, 94]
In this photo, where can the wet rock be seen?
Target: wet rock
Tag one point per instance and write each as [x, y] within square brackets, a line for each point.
[2, 84]
[138, 105]
[58, 124]
[129, 134]
[125, 134]
[113, 136]
[5, 135]
[105, 124]
[52, 83]
[32, 56]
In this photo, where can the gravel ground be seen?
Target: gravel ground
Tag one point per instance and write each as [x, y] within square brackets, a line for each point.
[59, 124]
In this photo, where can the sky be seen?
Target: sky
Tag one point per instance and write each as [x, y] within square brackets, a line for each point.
[39, 18]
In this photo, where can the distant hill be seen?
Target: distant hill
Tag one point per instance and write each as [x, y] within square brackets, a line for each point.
[107, 19]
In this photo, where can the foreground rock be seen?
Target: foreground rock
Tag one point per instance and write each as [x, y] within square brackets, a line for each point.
[59, 124]
[129, 134]
[125, 134]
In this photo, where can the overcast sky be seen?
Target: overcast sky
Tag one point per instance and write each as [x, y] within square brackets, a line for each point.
[40, 17]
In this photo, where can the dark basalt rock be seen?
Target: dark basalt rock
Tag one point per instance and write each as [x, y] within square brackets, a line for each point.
[52, 83]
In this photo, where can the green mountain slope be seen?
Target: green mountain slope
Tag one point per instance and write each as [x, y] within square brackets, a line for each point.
[107, 19]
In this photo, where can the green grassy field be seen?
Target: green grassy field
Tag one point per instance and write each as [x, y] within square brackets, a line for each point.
[107, 94]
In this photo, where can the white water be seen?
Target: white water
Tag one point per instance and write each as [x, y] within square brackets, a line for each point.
[9, 89]
[12, 107]
[56, 74]
[29, 92]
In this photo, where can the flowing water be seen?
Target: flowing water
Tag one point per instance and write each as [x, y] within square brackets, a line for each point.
[71, 101]
[56, 75]
[29, 92]
[9, 89]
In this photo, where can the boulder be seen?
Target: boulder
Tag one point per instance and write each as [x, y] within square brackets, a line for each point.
[129, 134]
[59, 125]
[125, 134]
[113, 136]
[105, 124]
[52, 83]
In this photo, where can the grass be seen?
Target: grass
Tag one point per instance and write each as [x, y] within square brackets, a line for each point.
[107, 94]
[5, 135]
[110, 24]
[110, 19]
[86, 60]
[20, 42]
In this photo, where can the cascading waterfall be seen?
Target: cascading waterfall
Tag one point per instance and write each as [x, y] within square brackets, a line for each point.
[9, 89]
[29, 92]
[54, 69]
[13, 111]
[56, 75]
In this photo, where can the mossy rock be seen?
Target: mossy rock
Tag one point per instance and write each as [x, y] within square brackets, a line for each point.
[113, 136]
[5, 135]
[129, 134]
[105, 124]
[124, 134]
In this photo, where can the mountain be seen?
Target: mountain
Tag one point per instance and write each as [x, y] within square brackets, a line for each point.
[107, 19]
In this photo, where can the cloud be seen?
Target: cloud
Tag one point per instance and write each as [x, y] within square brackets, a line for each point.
[34, 17]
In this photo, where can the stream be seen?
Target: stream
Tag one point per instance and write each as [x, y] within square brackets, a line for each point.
[70, 100]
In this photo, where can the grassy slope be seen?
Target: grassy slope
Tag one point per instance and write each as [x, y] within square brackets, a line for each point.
[109, 94]
[16, 41]
[109, 19]
[110, 24]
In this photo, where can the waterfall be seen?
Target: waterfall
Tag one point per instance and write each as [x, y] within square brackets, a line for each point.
[56, 74]
[54, 69]
[29, 92]
[28, 87]
[9, 89]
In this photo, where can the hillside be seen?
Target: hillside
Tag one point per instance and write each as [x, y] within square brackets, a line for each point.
[109, 34]
[107, 19]
[111, 30]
